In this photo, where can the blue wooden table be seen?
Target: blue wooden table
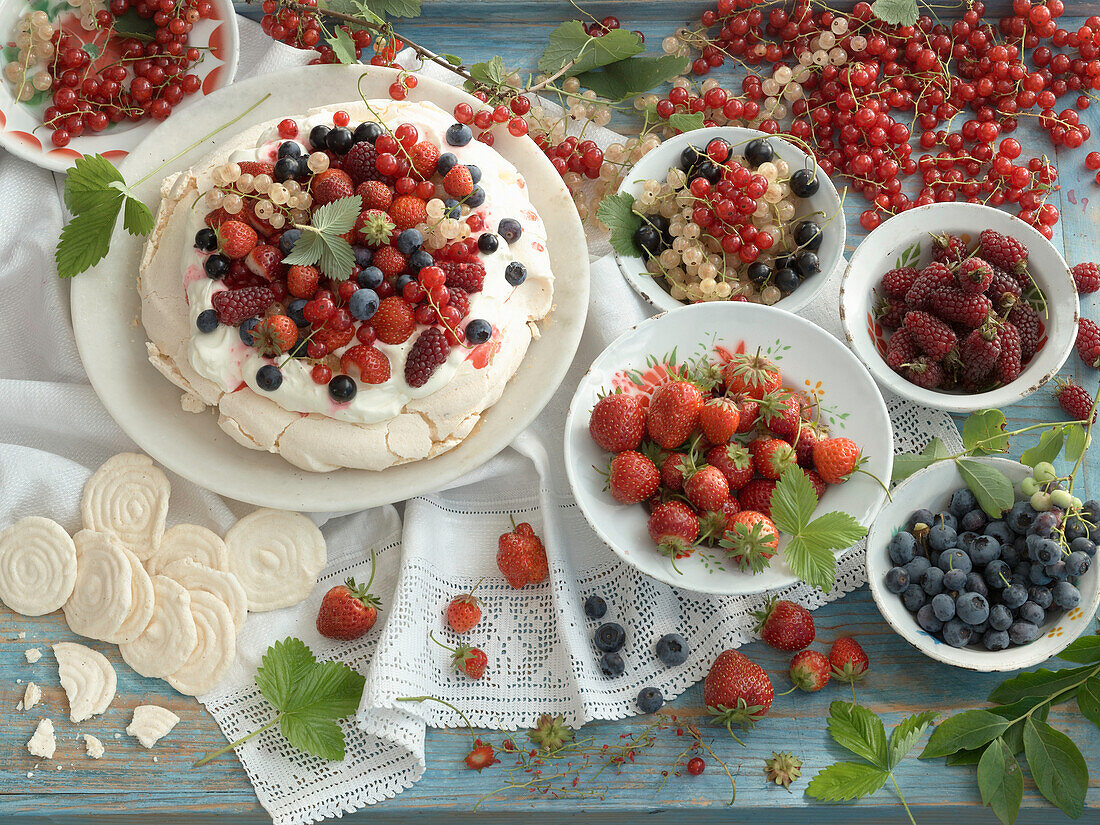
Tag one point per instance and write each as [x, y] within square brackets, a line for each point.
[135, 785]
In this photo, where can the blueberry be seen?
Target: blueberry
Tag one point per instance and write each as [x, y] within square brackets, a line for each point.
[401, 282]
[996, 639]
[1033, 543]
[1037, 575]
[1000, 617]
[954, 580]
[370, 277]
[1044, 524]
[804, 183]
[206, 239]
[515, 273]
[488, 243]
[362, 304]
[957, 634]
[954, 560]
[946, 517]
[245, 330]
[691, 156]
[339, 140]
[914, 598]
[1015, 595]
[216, 266]
[611, 665]
[269, 377]
[984, 550]
[1023, 632]
[927, 620]
[207, 321]
[453, 209]
[478, 331]
[1031, 612]
[1040, 595]
[808, 235]
[646, 238]
[1057, 571]
[1021, 516]
[367, 132]
[962, 502]
[897, 579]
[285, 169]
[475, 172]
[318, 137]
[295, 311]
[510, 229]
[942, 537]
[974, 520]
[806, 263]
[650, 700]
[759, 272]
[943, 606]
[902, 548]
[289, 149]
[916, 567]
[966, 540]
[932, 581]
[447, 161]
[1082, 544]
[1078, 563]
[1066, 595]
[409, 241]
[595, 607]
[980, 627]
[1049, 551]
[475, 198]
[1009, 554]
[1074, 528]
[288, 239]
[459, 134]
[976, 584]
[996, 574]
[972, 608]
[421, 259]
[342, 388]
[1000, 531]
[923, 516]
[610, 637]
[787, 280]
[304, 172]
[758, 151]
[672, 649]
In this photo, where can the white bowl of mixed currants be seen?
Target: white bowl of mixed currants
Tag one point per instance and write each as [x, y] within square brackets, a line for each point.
[729, 213]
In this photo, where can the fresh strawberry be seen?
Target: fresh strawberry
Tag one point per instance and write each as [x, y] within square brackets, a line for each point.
[375, 228]
[713, 525]
[375, 194]
[468, 275]
[782, 412]
[817, 482]
[757, 495]
[366, 363]
[734, 461]
[348, 610]
[521, 557]
[1088, 342]
[407, 211]
[1010, 363]
[751, 541]
[464, 611]
[466, 659]
[897, 282]
[975, 275]
[330, 185]
[1087, 278]
[423, 158]
[617, 422]
[836, 459]
[774, 456]
[390, 261]
[332, 335]
[257, 167]
[673, 413]
[236, 239]
[674, 469]
[956, 306]
[214, 219]
[674, 528]
[234, 305]
[1002, 251]
[931, 279]
[933, 336]
[785, 625]
[754, 375]
[482, 755]
[810, 670]
[1026, 320]
[924, 372]
[707, 488]
[632, 477]
[266, 261]
[808, 436]
[302, 281]
[1074, 399]
[737, 690]
[750, 412]
[457, 182]
[275, 334]
[901, 349]
[393, 321]
[848, 661]
[428, 353]
[719, 419]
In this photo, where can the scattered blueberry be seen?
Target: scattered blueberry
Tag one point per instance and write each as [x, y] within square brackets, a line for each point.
[510, 229]
[941, 537]
[453, 209]
[476, 198]
[914, 598]
[269, 378]
[611, 665]
[1000, 531]
[1000, 617]
[363, 303]
[295, 310]
[976, 584]
[515, 273]
[1021, 516]
[216, 266]
[916, 567]
[650, 700]
[245, 330]
[954, 580]
[285, 169]
[920, 517]
[902, 547]
[402, 280]
[1014, 595]
[342, 388]
[289, 238]
[475, 172]
[370, 277]
[1077, 563]
[972, 608]
[206, 239]
[996, 639]
[409, 241]
[1022, 632]
[447, 161]
[932, 581]
[1031, 612]
[1057, 571]
[955, 560]
[421, 259]
[478, 331]
[672, 649]
[962, 502]
[610, 637]
[459, 134]
[1041, 596]
[897, 579]
[1082, 544]
[488, 243]
[974, 520]
[595, 607]
[207, 321]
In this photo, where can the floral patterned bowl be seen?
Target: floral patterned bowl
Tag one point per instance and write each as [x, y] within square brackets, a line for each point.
[21, 129]
[811, 361]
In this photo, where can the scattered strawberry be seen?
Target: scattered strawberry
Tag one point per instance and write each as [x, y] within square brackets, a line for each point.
[782, 413]
[674, 528]
[975, 275]
[236, 239]
[257, 167]
[808, 436]
[423, 157]
[836, 459]
[737, 690]
[1087, 277]
[393, 322]
[550, 733]
[266, 261]
[466, 659]
[331, 335]
[482, 755]
[734, 461]
[348, 610]
[674, 469]
[331, 185]
[521, 557]
[1002, 251]
[757, 495]
[617, 422]
[302, 281]
[719, 419]
[390, 261]
[632, 477]
[707, 488]
[367, 363]
[1074, 399]
[275, 334]
[428, 353]
[673, 413]
[375, 228]
[374, 194]
[234, 305]
[848, 661]
[773, 457]
[751, 541]
[750, 411]
[785, 625]
[407, 211]
[754, 375]
[1088, 342]
[457, 182]
[810, 670]
[817, 482]
[464, 611]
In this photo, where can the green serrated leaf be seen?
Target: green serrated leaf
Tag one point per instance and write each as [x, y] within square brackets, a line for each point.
[905, 735]
[136, 217]
[845, 781]
[1088, 700]
[1000, 781]
[858, 730]
[394, 8]
[86, 239]
[684, 122]
[964, 731]
[570, 42]
[316, 735]
[815, 567]
[1083, 650]
[337, 260]
[284, 664]
[344, 47]
[328, 688]
[453, 59]
[635, 75]
[616, 212]
[492, 72]
[992, 488]
[1047, 449]
[1039, 685]
[88, 183]
[1057, 766]
[896, 12]
[306, 250]
[983, 432]
[1077, 441]
[337, 217]
[793, 501]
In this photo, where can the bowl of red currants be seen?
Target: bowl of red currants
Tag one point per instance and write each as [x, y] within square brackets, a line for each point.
[959, 306]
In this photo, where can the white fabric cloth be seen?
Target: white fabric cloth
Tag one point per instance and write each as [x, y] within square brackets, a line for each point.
[54, 433]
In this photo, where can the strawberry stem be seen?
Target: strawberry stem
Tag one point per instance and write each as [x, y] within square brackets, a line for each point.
[210, 757]
[448, 704]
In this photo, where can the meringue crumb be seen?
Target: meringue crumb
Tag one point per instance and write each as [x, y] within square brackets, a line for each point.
[22, 634]
[33, 654]
[31, 697]
[156, 758]
[93, 746]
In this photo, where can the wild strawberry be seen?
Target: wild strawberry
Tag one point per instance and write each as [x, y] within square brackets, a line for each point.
[901, 349]
[331, 185]
[359, 162]
[428, 352]
[1009, 364]
[785, 625]
[810, 670]
[751, 374]
[897, 282]
[368, 364]
[617, 422]
[836, 459]
[275, 334]
[457, 182]
[817, 482]
[423, 158]
[674, 528]
[948, 249]
[464, 612]
[958, 307]
[374, 228]
[482, 755]
[407, 211]
[1026, 320]
[719, 420]
[390, 261]
[1087, 278]
[1002, 251]
[521, 557]
[934, 337]
[750, 412]
[1003, 291]
[673, 413]
[632, 477]
[924, 372]
[975, 275]
[782, 413]
[979, 352]
[393, 321]
[266, 261]
[460, 300]
[848, 660]
[757, 495]
[707, 488]
[782, 768]
[1074, 399]
[714, 524]
[302, 281]
[674, 469]
[236, 239]
[466, 659]
[467, 275]
[1088, 342]
[374, 194]
[550, 732]
[751, 540]
[931, 279]
[217, 217]
[737, 690]
[348, 610]
[257, 167]
[234, 305]
[890, 312]
[773, 457]
[331, 334]
[734, 461]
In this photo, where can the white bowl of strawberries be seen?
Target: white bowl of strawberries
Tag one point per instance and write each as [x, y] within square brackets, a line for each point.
[701, 442]
[959, 306]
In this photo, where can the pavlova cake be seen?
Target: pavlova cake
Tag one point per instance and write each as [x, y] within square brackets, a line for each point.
[350, 288]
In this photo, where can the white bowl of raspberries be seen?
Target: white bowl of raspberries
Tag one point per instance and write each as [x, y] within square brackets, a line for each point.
[959, 306]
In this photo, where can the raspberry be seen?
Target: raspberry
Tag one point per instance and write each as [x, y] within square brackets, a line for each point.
[932, 278]
[948, 249]
[460, 300]
[457, 182]
[979, 352]
[390, 261]
[1009, 365]
[1002, 251]
[427, 353]
[375, 194]
[890, 312]
[1003, 290]
[1087, 278]
[933, 336]
[924, 372]
[975, 275]
[958, 307]
[368, 363]
[1088, 342]
[897, 282]
[467, 275]
[393, 322]
[1026, 320]
[234, 305]
[424, 157]
[407, 211]
[901, 349]
[359, 163]
[1073, 399]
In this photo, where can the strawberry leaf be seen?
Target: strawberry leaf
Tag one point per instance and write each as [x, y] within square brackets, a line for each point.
[322, 241]
[89, 183]
[906, 734]
[616, 212]
[86, 239]
[793, 501]
[844, 781]
[569, 42]
[858, 730]
[136, 217]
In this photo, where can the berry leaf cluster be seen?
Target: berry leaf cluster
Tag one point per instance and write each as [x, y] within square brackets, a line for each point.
[322, 242]
[492, 72]
[635, 75]
[616, 212]
[344, 47]
[897, 12]
[571, 44]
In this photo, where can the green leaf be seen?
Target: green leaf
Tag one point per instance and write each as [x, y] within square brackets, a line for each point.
[1088, 700]
[618, 81]
[1000, 781]
[136, 217]
[905, 735]
[1083, 650]
[964, 731]
[815, 567]
[344, 47]
[896, 12]
[684, 122]
[337, 259]
[990, 486]
[1077, 441]
[964, 757]
[1038, 685]
[314, 734]
[394, 8]
[857, 729]
[328, 688]
[846, 781]
[1047, 449]
[983, 432]
[492, 72]
[570, 42]
[86, 239]
[88, 183]
[453, 59]
[1057, 766]
[616, 212]
[793, 501]
[306, 251]
[322, 244]
[284, 664]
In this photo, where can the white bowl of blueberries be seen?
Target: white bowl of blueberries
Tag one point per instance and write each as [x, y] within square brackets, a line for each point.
[977, 592]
